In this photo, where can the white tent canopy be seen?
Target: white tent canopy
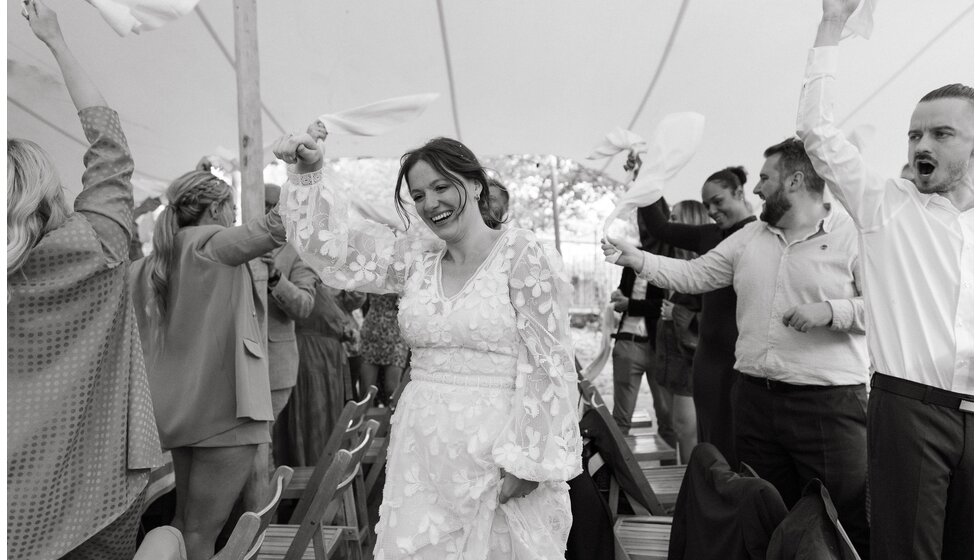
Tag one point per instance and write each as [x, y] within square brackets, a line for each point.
[530, 77]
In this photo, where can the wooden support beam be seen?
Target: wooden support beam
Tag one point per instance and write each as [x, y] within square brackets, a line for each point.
[554, 202]
[249, 109]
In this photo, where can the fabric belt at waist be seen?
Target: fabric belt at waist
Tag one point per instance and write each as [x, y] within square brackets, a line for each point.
[922, 392]
[783, 387]
[630, 336]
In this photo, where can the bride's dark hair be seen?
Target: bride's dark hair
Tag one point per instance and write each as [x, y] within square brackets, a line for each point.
[451, 159]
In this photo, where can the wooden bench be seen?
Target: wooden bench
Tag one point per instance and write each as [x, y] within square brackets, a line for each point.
[641, 419]
[643, 537]
[665, 481]
[647, 445]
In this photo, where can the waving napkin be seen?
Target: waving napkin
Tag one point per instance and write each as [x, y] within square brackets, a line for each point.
[861, 21]
[616, 141]
[133, 16]
[378, 118]
[674, 143]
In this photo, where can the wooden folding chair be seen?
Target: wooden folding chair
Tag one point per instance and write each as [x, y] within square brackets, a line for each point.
[637, 537]
[280, 479]
[242, 538]
[312, 538]
[378, 454]
[351, 420]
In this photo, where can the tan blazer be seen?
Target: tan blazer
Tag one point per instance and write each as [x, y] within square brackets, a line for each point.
[291, 299]
[206, 360]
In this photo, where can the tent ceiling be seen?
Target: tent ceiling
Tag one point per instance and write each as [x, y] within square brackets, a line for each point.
[530, 77]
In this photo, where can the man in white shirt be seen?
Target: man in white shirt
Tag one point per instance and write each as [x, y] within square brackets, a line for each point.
[916, 243]
[800, 402]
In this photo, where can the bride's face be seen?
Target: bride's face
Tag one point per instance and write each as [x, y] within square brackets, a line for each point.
[443, 205]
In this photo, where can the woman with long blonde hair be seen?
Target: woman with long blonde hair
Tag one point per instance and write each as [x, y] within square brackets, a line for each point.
[80, 438]
[201, 323]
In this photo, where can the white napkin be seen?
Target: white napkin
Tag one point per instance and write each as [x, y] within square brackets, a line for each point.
[133, 16]
[378, 118]
[616, 141]
[675, 141]
[861, 21]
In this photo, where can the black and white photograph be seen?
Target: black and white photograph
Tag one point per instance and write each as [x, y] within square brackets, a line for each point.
[490, 280]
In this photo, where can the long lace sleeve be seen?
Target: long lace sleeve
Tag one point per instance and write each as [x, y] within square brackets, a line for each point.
[347, 251]
[542, 440]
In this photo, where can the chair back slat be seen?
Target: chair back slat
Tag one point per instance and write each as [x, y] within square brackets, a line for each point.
[624, 462]
[280, 479]
[240, 542]
[352, 415]
[322, 496]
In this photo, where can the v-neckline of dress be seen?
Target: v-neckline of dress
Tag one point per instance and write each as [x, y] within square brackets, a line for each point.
[438, 275]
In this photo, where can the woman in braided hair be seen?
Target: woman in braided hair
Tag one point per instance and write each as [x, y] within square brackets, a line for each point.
[200, 322]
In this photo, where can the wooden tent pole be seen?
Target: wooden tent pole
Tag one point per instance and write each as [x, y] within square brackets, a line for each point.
[554, 202]
[249, 109]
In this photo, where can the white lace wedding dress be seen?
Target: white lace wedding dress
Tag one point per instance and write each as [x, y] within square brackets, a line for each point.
[492, 384]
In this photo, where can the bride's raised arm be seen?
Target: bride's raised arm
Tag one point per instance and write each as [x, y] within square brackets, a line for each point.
[347, 251]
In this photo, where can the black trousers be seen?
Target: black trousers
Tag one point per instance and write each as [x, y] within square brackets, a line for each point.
[921, 479]
[793, 436]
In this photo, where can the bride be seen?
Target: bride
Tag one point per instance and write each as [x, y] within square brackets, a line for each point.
[486, 433]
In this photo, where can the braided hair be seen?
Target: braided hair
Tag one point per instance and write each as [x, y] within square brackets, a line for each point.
[189, 196]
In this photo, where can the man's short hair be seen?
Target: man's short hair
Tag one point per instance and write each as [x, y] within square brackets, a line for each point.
[793, 158]
[951, 91]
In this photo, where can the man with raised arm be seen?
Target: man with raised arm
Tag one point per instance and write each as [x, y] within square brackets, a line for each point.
[916, 243]
[800, 398]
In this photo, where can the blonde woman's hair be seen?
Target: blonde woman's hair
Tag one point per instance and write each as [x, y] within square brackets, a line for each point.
[690, 212]
[35, 200]
[189, 196]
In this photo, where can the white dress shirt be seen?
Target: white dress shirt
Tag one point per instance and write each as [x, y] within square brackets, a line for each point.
[916, 250]
[771, 276]
[634, 324]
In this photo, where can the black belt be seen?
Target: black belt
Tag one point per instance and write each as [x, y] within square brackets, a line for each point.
[783, 387]
[922, 392]
[630, 336]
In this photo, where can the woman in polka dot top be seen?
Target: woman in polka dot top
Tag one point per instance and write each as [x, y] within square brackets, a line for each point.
[81, 436]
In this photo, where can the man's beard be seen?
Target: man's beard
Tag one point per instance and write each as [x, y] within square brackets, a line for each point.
[953, 174]
[775, 207]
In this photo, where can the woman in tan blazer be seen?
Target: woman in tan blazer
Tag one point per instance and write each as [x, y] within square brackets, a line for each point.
[200, 323]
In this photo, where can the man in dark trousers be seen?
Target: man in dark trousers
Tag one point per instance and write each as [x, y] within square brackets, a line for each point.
[632, 356]
[916, 241]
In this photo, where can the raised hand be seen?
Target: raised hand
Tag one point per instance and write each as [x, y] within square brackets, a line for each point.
[43, 22]
[317, 130]
[300, 149]
[835, 14]
[839, 10]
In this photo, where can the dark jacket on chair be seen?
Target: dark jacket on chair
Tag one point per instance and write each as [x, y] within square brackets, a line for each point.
[721, 514]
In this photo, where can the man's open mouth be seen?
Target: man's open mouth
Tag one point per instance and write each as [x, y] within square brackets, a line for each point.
[924, 168]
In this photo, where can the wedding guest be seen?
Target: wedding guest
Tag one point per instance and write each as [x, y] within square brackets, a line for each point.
[916, 238]
[633, 352]
[677, 340]
[723, 195]
[200, 321]
[801, 395]
[81, 439]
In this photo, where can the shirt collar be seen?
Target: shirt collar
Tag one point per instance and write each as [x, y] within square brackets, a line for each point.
[834, 218]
